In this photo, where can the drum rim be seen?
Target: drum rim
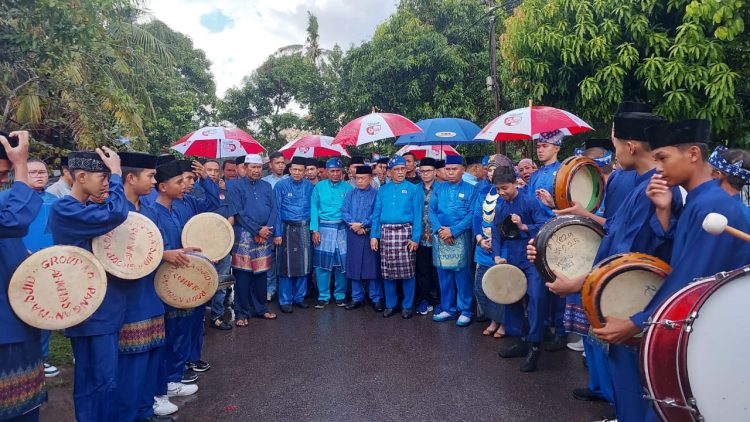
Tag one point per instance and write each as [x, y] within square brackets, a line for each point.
[570, 166]
[191, 254]
[506, 265]
[546, 232]
[214, 215]
[118, 272]
[719, 280]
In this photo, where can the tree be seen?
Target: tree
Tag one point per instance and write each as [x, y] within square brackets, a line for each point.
[311, 50]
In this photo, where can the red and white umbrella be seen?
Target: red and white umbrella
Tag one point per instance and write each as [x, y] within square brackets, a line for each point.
[312, 146]
[433, 151]
[218, 142]
[529, 122]
[374, 127]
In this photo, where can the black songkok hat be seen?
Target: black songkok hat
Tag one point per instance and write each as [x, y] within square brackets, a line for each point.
[185, 165]
[364, 170]
[138, 160]
[64, 161]
[164, 159]
[167, 171]
[311, 162]
[357, 160]
[692, 131]
[604, 143]
[13, 143]
[301, 161]
[383, 160]
[87, 161]
[320, 164]
[428, 161]
[473, 159]
[633, 107]
[439, 164]
[631, 125]
[239, 160]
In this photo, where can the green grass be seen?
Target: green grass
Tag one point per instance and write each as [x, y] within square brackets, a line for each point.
[60, 352]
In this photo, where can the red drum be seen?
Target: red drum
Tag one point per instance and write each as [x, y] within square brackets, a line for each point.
[693, 356]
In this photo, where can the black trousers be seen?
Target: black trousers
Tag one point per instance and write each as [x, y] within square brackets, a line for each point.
[427, 279]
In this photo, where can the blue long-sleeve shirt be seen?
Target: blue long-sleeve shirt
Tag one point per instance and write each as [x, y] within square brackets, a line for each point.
[292, 202]
[358, 206]
[192, 205]
[399, 203]
[544, 178]
[19, 206]
[253, 203]
[38, 237]
[532, 215]
[745, 208]
[451, 206]
[141, 299]
[619, 185]
[697, 253]
[327, 201]
[482, 256]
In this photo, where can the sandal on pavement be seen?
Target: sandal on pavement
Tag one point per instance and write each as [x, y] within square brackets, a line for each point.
[241, 322]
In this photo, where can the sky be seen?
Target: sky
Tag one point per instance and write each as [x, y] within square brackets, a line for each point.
[238, 35]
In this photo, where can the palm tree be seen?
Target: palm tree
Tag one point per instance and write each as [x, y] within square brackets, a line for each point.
[311, 50]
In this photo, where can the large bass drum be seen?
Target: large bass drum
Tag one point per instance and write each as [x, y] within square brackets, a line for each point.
[694, 352]
[567, 245]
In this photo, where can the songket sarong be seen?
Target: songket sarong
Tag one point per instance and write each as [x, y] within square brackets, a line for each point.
[396, 262]
[574, 319]
[451, 257]
[142, 336]
[293, 256]
[22, 386]
[331, 251]
[251, 253]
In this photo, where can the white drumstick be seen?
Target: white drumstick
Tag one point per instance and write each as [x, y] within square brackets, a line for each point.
[716, 224]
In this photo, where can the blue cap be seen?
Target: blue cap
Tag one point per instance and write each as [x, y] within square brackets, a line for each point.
[333, 163]
[454, 159]
[397, 160]
[485, 160]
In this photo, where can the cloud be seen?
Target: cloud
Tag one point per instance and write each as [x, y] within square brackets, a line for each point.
[216, 21]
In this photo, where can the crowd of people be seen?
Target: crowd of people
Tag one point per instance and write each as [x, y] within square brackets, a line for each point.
[397, 234]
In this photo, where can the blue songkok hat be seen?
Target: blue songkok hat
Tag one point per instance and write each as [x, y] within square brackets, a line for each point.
[732, 169]
[334, 163]
[454, 159]
[396, 160]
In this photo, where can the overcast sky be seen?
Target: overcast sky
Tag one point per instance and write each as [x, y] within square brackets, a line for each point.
[238, 35]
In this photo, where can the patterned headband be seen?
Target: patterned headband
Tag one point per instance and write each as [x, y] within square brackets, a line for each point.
[600, 161]
[732, 169]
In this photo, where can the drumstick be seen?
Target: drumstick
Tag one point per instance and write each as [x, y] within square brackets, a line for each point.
[716, 224]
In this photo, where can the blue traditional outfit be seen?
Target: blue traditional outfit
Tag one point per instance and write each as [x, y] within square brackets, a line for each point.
[22, 388]
[452, 206]
[293, 226]
[325, 217]
[255, 208]
[396, 219]
[271, 275]
[486, 198]
[95, 341]
[363, 263]
[427, 286]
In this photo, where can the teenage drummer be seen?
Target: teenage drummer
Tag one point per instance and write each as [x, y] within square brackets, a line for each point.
[517, 219]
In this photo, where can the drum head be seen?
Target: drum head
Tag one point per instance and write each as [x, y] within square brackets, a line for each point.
[583, 188]
[716, 354]
[187, 287]
[628, 293]
[570, 246]
[210, 232]
[504, 284]
[131, 251]
[579, 179]
[57, 287]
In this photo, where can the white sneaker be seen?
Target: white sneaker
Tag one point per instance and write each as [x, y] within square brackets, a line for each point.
[576, 346]
[50, 371]
[178, 389]
[163, 407]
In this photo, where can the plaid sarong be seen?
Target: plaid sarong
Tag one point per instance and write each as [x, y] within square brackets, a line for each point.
[293, 256]
[396, 262]
[249, 255]
[331, 252]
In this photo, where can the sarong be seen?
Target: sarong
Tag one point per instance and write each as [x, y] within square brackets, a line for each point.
[574, 319]
[362, 262]
[396, 262]
[293, 256]
[451, 257]
[142, 336]
[22, 386]
[250, 253]
[331, 251]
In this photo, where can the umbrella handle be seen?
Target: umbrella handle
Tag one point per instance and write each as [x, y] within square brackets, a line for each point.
[530, 103]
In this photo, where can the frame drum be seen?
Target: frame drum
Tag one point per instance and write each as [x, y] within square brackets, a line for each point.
[621, 286]
[693, 360]
[210, 232]
[567, 245]
[57, 287]
[579, 179]
[187, 287]
[504, 284]
[131, 251]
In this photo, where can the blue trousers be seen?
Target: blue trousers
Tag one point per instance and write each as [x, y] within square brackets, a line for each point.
[217, 304]
[250, 289]
[456, 291]
[623, 364]
[31, 416]
[45, 336]
[532, 327]
[292, 290]
[324, 284]
[137, 384]
[556, 311]
[375, 287]
[391, 294]
[198, 331]
[95, 377]
[271, 276]
[596, 360]
[178, 346]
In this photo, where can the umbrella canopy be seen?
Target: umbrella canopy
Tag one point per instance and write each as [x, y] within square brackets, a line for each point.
[529, 122]
[432, 151]
[444, 130]
[218, 142]
[374, 127]
[312, 146]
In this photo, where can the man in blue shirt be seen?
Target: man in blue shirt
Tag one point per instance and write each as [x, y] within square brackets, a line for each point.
[276, 165]
[428, 290]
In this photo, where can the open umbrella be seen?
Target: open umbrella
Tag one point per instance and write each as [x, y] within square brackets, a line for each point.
[312, 146]
[432, 151]
[444, 130]
[529, 122]
[218, 142]
[374, 127]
